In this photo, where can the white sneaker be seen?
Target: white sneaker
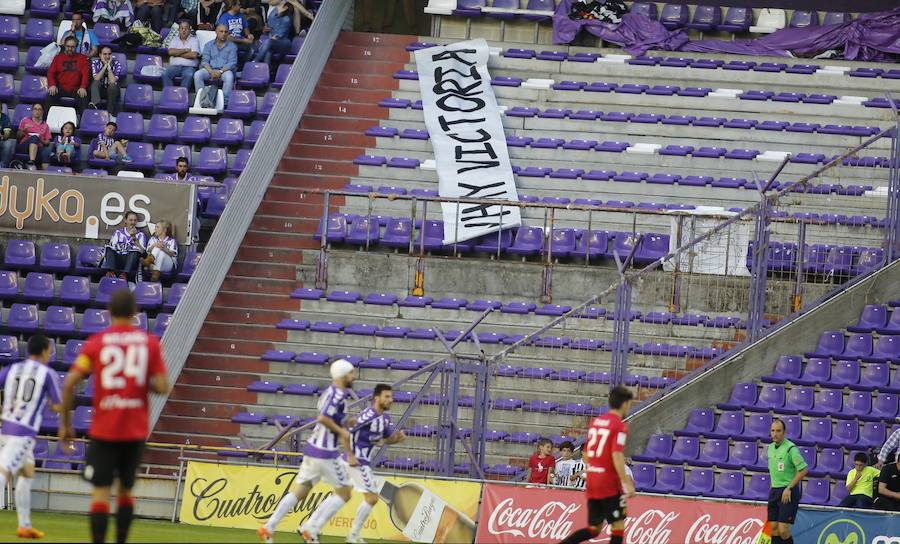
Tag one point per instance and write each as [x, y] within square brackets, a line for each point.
[307, 534]
[354, 538]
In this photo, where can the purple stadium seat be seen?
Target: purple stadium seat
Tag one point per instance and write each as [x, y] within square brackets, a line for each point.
[7, 87]
[130, 125]
[255, 75]
[743, 394]
[815, 491]
[788, 368]
[885, 406]
[699, 482]
[93, 122]
[267, 104]
[644, 476]
[38, 31]
[771, 397]
[229, 132]
[163, 128]
[196, 129]
[55, 257]
[872, 435]
[669, 480]
[9, 29]
[743, 455]
[106, 288]
[713, 453]
[173, 100]
[647, 9]
[674, 16]
[23, 318]
[149, 61]
[191, 260]
[827, 402]
[659, 446]
[59, 321]
[9, 349]
[171, 153]
[281, 75]
[38, 287]
[149, 295]
[803, 19]
[241, 104]
[706, 18]
[107, 33]
[844, 373]
[836, 18]
[45, 8]
[87, 260]
[34, 52]
[873, 316]
[730, 423]
[75, 290]
[700, 421]
[800, 399]
[9, 285]
[859, 404]
[33, 89]
[736, 20]
[212, 161]
[138, 97]
[20, 255]
[816, 431]
[831, 344]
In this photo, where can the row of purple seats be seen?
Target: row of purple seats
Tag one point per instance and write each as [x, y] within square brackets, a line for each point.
[57, 258]
[877, 317]
[81, 421]
[807, 401]
[163, 128]
[10, 352]
[815, 431]
[729, 484]
[60, 321]
[859, 346]
[820, 259]
[736, 19]
[874, 375]
[40, 287]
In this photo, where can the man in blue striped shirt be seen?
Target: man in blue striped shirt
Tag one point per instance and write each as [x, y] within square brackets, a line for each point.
[891, 446]
[373, 427]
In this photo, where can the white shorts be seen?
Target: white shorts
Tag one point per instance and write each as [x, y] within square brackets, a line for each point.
[362, 477]
[16, 452]
[331, 471]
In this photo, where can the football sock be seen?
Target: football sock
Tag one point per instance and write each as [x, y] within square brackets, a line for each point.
[617, 537]
[579, 536]
[362, 513]
[777, 540]
[99, 519]
[788, 540]
[287, 503]
[2, 495]
[23, 500]
[325, 511]
[124, 515]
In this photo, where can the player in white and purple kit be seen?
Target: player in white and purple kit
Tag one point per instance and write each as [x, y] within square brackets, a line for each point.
[320, 459]
[373, 427]
[27, 387]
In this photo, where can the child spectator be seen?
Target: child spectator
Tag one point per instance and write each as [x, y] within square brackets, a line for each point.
[860, 483]
[66, 147]
[569, 471]
[541, 464]
[110, 148]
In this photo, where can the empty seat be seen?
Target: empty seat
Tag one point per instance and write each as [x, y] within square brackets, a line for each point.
[39, 287]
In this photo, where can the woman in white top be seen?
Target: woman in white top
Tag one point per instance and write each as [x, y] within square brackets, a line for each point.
[162, 250]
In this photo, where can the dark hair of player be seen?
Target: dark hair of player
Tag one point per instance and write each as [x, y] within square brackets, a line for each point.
[567, 446]
[777, 420]
[122, 304]
[618, 396]
[861, 457]
[380, 388]
[38, 344]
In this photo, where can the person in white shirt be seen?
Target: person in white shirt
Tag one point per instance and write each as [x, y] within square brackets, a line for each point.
[162, 250]
[569, 471]
[184, 55]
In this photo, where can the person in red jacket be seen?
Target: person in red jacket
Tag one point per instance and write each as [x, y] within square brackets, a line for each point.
[68, 77]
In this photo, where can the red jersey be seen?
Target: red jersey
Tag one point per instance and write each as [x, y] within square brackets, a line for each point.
[607, 434]
[540, 468]
[122, 361]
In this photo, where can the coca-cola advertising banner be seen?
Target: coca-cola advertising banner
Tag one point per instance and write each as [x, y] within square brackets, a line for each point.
[515, 514]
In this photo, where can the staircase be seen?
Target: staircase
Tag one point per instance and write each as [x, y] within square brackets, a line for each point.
[254, 295]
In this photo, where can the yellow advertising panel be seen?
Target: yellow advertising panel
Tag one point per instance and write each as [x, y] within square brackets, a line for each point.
[409, 509]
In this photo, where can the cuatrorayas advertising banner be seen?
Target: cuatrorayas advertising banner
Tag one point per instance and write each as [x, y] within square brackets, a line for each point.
[409, 509]
[516, 514]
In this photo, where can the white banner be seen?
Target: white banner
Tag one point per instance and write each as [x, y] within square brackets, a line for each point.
[724, 253]
[466, 132]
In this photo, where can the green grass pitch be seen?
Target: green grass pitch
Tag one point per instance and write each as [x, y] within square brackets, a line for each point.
[74, 528]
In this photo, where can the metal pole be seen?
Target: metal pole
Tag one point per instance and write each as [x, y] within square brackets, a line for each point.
[547, 276]
[322, 259]
[757, 299]
[178, 486]
[798, 286]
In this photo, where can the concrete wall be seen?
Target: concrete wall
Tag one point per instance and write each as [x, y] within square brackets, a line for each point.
[670, 412]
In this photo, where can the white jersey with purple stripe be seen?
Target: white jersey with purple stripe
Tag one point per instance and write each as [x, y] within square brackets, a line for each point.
[323, 443]
[27, 386]
[371, 428]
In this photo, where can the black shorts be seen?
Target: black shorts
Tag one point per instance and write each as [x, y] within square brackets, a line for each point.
[609, 510]
[780, 512]
[105, 460]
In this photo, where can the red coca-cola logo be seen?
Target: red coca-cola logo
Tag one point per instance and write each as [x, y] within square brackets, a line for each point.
[519, 515]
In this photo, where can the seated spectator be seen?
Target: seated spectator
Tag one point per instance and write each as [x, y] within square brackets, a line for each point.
[541, 465]
[252, 10]
[125, 248]
[860, 483]
[162, 251]
[238, 30]
[219, 63]
[181, 170]
[184, 55]
[113, 11]
[202, 14]
[66, 148]
[889, 488]
[7, 140]
[84, 37]
[110, 148]
[106, 72]
[150, 11]
[280, 28]
[569, 471]
[68, 77]
[34, 137]
[299, 9]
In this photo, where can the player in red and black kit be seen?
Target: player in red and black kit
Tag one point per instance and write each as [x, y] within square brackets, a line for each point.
[608, 485]
[127, 365]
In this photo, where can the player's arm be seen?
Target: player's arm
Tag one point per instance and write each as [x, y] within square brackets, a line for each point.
[159, 377]
[159, 383]
[618, 458]
[79, 371]
[342, 433]
[396, 436]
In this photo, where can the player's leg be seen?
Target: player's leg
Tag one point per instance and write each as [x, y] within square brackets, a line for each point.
[99, 513]
[129, 461]
[23, 494]
[787, 514]
[101, 461]
[596, 509]
[363, 481]
[334, 472]
[307, 477]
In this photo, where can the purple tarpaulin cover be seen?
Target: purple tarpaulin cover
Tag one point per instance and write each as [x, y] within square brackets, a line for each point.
[871, 37]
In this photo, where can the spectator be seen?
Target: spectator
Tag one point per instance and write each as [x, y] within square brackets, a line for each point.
[162, 251]
[34, 137]
[7, 140]
[279, 27]
[569, 471]
[541, 464]
[299, 9]
[184, 52]
[66, 149]
[181, 170]
[890, 448]
[125, 248]
[84, 37]
[150, 10]
[889, 488]
[118, 12]
[202, 13]
[110, 148]
[238, 30]
[860, 483]
[68, 77]
[219, 62]
[106, 72]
